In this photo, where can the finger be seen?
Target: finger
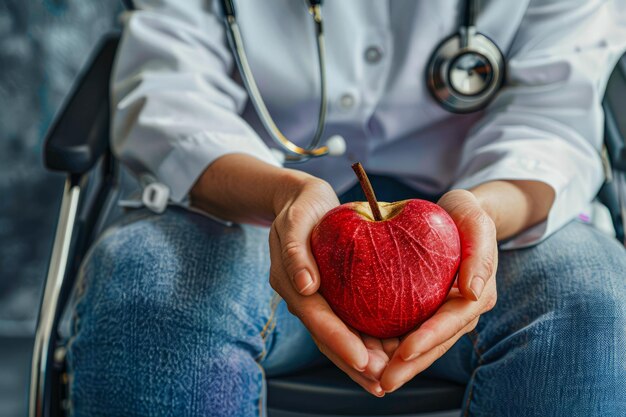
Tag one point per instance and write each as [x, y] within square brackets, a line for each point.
[294, 226]
[371, 386]
[318, 318]
[376, 364]
[398, 372]
[378, 359]
[390, 346]
[478, 241]
[297, 258]
[478, 254]
[450, 319]
[371, 342]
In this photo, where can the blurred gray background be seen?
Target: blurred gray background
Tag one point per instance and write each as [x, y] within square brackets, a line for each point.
[43, 45]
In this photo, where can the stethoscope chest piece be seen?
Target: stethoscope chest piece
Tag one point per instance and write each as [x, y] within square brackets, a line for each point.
[465, 72]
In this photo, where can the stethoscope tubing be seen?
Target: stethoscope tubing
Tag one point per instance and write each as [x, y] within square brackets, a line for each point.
[296, 153]
[443, 92]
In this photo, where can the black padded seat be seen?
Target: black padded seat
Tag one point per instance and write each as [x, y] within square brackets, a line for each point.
[328, 391]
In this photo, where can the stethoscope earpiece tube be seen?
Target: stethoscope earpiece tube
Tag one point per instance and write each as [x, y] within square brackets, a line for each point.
[295, 152]
[229, 8]
[469, 14]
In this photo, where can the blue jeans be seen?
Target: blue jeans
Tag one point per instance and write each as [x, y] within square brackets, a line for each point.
[175, 316]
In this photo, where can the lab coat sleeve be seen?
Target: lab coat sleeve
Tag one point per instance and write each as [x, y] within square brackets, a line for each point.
[547, 123]
[175, 108]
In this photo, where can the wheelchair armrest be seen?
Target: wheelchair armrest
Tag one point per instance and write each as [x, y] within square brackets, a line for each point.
[614, 105]
[80, 133]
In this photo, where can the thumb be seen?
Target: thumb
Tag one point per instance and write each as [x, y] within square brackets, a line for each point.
[479, 251]
[293, 229]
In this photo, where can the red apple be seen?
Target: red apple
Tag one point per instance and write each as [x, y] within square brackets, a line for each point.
[385, 277]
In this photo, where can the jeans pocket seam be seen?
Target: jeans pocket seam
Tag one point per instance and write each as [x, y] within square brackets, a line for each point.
[469, 397]
[473, 337]
[260, 403]
[269, 325]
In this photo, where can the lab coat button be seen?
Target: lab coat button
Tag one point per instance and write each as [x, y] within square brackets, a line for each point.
[373, 54]
[347, 101]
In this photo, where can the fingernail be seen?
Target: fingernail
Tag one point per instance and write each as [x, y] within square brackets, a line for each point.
[379, 391]
[477, 286]
[302, 280]
[410, 357]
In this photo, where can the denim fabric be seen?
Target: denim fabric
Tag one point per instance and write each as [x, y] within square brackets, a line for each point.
[175, 317]
[555, 344]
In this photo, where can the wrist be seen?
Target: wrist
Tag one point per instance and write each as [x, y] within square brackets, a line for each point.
[244, 189]
[514, 205]
[290, 184]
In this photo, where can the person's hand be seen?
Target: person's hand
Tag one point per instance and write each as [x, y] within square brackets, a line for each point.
[473, 294]
[294, 275]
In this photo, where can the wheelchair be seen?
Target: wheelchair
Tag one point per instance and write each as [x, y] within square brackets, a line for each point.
[77, 144]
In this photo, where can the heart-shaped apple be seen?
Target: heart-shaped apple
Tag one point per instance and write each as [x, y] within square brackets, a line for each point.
[385, 267]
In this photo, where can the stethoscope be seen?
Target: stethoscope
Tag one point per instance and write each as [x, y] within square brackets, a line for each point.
[464, 74]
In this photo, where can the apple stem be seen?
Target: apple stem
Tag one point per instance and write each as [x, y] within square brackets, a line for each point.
[368, 190]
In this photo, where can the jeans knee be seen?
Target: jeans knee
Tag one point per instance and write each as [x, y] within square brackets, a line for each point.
[567, 298]
[558, 330]
[166, 275]
[158, 300]
[584, 307]
[127, 266]
[593, 325]
[162, 265]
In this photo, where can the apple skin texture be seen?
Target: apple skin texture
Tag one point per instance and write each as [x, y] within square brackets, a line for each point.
[385, 278]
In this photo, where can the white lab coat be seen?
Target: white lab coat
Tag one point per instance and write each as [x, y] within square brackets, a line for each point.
[178, 106]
